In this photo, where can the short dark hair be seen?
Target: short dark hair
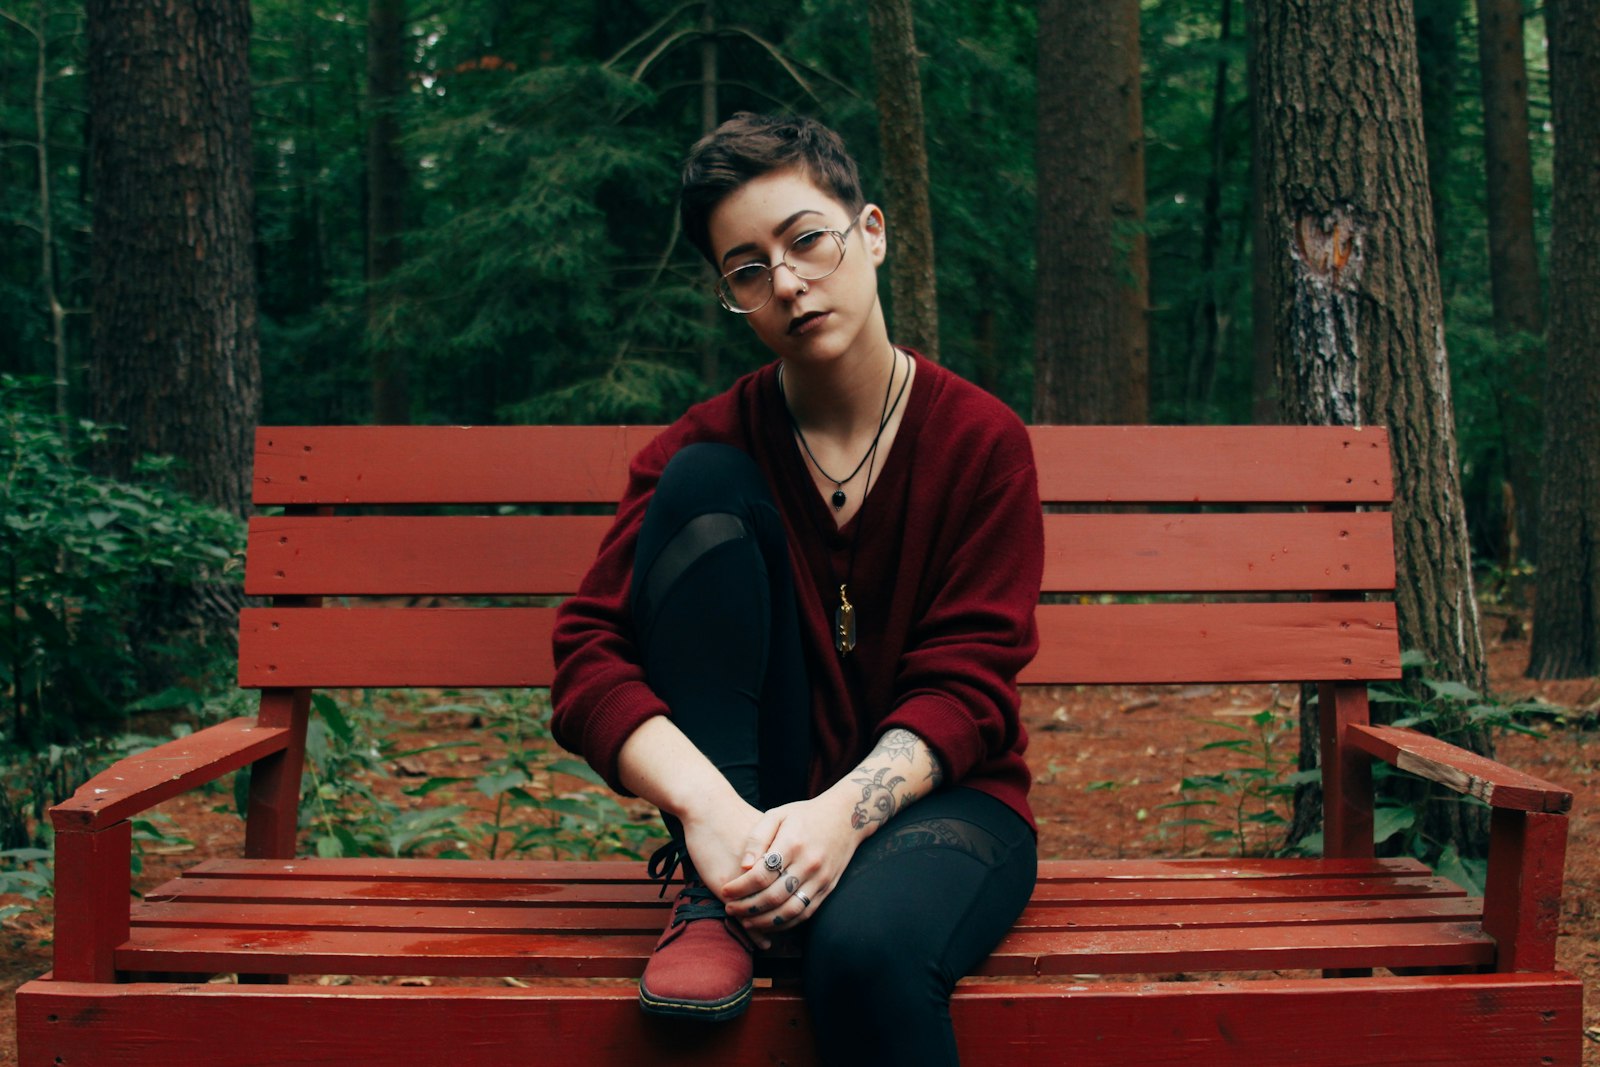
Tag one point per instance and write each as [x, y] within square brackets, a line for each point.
[748, 146]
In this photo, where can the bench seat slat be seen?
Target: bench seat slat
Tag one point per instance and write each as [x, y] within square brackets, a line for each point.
[389, 555]
[575, 872]
[480, 953]
[1221, 889]
[1423, 1021]
[614, 920]
[1083, 643]
[308, 465]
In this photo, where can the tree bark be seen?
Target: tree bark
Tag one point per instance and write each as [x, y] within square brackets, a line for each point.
[1513, 261]
[913, 291]
[1359, 322]
[1091, 358]
[386, 185]
[1439, 61]
[1264, 406]
[1566, 632]
[1206, 327]
[175, 359]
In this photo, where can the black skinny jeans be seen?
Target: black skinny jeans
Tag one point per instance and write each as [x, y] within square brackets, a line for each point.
[926, 898]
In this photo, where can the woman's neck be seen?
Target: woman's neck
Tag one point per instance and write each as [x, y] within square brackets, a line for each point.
[842, 397]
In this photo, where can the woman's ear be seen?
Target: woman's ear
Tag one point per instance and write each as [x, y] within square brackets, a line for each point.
[877, 233]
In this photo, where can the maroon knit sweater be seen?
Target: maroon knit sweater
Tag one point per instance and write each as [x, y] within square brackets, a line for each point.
[946, 578]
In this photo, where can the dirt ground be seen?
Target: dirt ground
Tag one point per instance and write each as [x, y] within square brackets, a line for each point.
[1105, 760]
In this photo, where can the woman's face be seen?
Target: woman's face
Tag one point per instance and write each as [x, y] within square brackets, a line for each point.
[815, 320]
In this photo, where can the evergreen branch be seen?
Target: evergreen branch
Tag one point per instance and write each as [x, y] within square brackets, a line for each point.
[656, 53]
[647, 34]
[788, 66]
[36, 34]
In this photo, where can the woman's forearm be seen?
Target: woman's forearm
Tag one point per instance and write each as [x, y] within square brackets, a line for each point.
[657, 762]
[900, 770]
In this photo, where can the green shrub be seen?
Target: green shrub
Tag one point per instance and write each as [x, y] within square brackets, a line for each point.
[79, 552]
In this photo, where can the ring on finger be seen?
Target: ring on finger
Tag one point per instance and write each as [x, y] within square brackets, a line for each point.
[805, 901]
[773, 861]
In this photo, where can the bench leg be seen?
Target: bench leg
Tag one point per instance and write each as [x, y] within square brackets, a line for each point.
[1522, 897]
[93, 886]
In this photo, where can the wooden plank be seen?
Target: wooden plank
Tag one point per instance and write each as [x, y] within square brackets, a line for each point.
[250, 891]
[398, 555]
[391, 555]
[444, 464]
[1082, 644]
[318, 951]
[1178, 643]
[1432, 1021]
[143, 780]
[580, 920]
[1522, 894]
[1212, 464]
[575, 872]
[1466, 772]
[588, 464]
[93, 882]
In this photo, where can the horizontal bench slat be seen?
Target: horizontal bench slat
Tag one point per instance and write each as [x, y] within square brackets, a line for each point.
[1434, 1020]
[252, 892]
[296, 555]
[310, 465]
[579, 920]
[576, 872]
[1082, 643]
[1408, 944]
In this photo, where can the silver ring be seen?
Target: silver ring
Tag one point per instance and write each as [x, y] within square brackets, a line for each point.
[774, 861]
[805, 900]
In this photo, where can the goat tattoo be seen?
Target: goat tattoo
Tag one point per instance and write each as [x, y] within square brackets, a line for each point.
[877, 799]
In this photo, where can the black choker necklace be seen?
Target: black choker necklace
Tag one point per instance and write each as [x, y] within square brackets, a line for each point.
[838, 498]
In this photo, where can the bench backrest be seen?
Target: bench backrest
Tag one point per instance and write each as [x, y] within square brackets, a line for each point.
[1225, 521]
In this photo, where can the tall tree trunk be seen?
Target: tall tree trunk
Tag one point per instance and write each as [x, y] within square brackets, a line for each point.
[1206, 327]
[1439, 60]
[1091, 332]
[175, 353]
[1264, 408]
[1360, 329]
[386, 186]
[1566, 632]
[1513, 259]
[912, 289]
[1513, 262]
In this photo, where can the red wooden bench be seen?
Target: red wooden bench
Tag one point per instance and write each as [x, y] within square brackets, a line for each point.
[1394, 963]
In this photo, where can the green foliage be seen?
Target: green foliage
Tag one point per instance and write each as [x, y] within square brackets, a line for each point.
[349, 747]
[1241, 806]
[80, 550]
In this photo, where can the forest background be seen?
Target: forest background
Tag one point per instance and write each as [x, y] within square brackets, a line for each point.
[463, 212]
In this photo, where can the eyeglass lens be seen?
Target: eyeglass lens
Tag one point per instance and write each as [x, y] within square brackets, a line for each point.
[811, 256]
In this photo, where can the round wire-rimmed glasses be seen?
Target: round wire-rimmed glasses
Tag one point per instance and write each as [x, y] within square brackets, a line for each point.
[812, 256]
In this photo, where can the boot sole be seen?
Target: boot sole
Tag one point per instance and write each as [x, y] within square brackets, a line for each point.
[702, 1010]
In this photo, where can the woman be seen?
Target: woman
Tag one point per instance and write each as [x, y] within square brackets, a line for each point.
[801, 637]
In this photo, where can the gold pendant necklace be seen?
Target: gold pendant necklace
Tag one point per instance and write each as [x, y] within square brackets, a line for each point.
[844, 623]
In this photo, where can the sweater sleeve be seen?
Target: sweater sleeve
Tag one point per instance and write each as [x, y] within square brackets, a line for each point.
[599, 694]
[958, 680]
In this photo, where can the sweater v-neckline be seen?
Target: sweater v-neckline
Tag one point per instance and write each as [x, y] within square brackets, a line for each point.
[890, 470]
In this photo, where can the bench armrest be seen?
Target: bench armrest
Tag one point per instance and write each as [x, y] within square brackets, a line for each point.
[1466, 772]
[141, 781]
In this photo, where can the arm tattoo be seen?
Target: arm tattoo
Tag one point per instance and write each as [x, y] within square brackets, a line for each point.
[878, 803]
[897, 743]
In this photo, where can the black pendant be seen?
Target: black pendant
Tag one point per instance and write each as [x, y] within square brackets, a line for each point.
[838, 499]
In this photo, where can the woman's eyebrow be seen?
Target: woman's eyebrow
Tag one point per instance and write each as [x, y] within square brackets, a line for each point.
[777, 231]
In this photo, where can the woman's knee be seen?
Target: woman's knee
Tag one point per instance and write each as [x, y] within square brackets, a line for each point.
[710, 477]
